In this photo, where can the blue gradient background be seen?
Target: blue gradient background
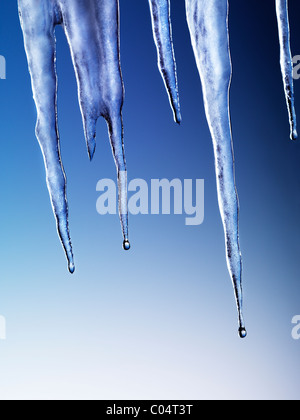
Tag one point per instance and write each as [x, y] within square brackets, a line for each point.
[159, 322]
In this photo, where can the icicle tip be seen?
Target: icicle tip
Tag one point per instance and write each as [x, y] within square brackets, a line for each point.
[243, 332]
[126, 245]
[71, 267]
[294, 135]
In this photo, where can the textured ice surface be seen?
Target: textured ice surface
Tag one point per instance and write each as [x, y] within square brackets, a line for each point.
[286, 62]
[162, 32]
[208, 24]
[92, 30]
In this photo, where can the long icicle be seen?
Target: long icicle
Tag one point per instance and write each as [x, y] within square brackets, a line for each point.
[38, 21]
[208, 24]
[92, 29]
[286, 62]
[99, 78]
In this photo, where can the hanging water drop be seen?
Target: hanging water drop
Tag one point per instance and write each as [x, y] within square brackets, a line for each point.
[126, 245]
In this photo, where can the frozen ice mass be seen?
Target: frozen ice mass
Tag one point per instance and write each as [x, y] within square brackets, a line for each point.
[92, 31]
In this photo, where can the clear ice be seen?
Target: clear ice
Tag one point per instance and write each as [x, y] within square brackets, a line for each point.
[286, 62]
[92, 30]
[208, 24]
[162, 32]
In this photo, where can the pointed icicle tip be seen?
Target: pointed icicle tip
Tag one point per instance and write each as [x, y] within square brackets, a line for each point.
[294, 135]
[178, 118]
[91, 149]
[71, 268]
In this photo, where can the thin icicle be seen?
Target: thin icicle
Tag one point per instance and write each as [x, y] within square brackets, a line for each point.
[162, 32]
[286, 62]
[92, 29]
[208, 24]
[38, 22]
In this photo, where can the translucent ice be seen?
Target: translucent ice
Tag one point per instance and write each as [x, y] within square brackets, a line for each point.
[208, 24]
[286, 62]
[162, 31]
[92, 30]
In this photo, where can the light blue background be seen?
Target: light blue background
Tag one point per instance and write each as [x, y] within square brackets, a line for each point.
[160, 321]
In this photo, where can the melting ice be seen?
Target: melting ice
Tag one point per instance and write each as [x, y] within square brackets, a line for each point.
[92, 30]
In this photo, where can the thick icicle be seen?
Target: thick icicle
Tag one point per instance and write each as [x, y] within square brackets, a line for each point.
[162, 31]
[208, 24]
[286, 62]
[98, 71]
[94, 24]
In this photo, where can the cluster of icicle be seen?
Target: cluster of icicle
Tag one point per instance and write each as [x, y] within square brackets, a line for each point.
[92, 31]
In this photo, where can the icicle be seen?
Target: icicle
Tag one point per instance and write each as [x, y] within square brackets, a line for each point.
[94, 24]
[286, 62]
[208, 24]
[162, 31]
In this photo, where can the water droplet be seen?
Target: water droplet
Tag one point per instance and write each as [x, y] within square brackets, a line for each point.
[126, 245]
[243, 332]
